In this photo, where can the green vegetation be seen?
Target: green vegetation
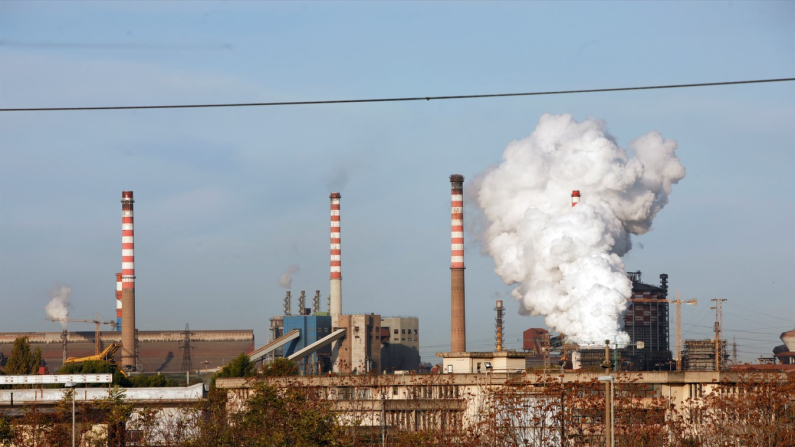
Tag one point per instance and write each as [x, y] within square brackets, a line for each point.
[23, 360]
[102, 367]
[240, 366]
[280, 367]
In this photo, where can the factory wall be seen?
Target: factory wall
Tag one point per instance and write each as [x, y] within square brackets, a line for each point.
[157, 350]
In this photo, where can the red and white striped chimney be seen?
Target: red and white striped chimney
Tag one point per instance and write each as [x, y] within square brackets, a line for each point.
[118, 302]
[575, 198]
[335, 295]
[458, 337]
[127, 282]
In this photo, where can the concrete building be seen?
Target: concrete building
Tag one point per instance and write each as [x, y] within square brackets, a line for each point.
[360, 350]
[400, 348]
[482, 362]
[164, 408]
[416, 402]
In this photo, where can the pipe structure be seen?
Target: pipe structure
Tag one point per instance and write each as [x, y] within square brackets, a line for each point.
[118, 302]
[127, 282]
[575, 198]
[458, 336]
[335, 296]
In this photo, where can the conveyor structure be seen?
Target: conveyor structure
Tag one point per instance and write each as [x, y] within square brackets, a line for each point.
[334, 336]
[275, 344]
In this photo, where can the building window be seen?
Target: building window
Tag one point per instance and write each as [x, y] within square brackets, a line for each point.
[396, 331]
[402, 331]
[415, 331]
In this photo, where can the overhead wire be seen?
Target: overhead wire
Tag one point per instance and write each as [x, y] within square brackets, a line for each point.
[396, 99]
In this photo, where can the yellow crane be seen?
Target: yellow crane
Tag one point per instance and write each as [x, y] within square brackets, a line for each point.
[97, 337]
[106, 355]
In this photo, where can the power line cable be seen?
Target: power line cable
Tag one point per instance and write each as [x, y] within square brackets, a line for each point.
[412, 98]
[761, 313]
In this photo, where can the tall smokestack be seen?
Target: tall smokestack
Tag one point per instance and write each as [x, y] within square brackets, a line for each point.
[118, 302]
[458, 336]
[575, 198]
[127, 282]
[335, 296]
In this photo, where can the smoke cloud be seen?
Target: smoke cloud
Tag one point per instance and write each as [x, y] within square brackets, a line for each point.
[58, 307]
[567, 261]
[286, 279]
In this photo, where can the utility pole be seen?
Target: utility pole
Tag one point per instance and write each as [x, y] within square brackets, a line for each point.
[718, 320]
[545, 346]
[383, 420]
[608, 379]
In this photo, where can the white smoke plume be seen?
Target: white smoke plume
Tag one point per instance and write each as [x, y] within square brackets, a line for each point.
[286, 279]
[58, 307]
[567, 261]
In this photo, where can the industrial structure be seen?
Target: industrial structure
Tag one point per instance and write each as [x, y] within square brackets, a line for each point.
[128, 354]
[458, 336]
[158, 351]
[647, 321]
[335, 295]
[499, 326]
[118, 301]
[400, 344]
[699, 355]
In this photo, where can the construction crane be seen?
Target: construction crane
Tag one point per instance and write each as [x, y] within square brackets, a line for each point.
[678, 303]
[106, 356]
[97, 339]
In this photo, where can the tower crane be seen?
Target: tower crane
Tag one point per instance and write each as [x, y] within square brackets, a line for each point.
[96, 321]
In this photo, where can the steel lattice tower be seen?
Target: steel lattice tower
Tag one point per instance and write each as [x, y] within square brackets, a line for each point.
[187, 363]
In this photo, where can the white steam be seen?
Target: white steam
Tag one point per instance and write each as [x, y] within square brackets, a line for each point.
[58, 307]
[286, 279]
[567, 261]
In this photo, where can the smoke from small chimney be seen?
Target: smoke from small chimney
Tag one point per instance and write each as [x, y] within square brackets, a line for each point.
[286, 278]
[58, 307]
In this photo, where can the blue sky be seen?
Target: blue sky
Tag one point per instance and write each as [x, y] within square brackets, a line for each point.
[226, 199]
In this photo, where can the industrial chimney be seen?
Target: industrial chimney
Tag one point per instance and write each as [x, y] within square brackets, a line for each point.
[127, 282]
[498, 325]
[118, 302]
[335, 296]
[575, 198]
[458, 336]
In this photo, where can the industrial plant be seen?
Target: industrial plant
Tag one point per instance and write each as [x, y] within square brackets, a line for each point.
[328, 340]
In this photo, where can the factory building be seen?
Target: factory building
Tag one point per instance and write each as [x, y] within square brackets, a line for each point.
[360, 350]
[312, 328]
[647, 321]
[400, 344]
[157, 351]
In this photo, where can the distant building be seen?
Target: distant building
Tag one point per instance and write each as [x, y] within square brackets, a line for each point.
[158, 351]
[400, 348]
